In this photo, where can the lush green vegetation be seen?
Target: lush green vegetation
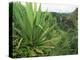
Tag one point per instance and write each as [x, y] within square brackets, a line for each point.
[37, 33]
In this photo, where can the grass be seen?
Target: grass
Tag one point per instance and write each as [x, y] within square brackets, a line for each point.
[37, 33]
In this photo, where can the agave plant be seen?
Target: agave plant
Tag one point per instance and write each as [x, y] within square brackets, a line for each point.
[31, 29]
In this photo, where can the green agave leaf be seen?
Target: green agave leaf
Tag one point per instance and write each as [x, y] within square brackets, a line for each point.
[19, 12]
[26, 21]
[40, 22]
[52, 41]
[38, 16]
[40, 27]
[35, 10]
[19, 43]
[30, 13]
[43, 18]
[46, 31]
[18, 31]
[38, 51]
[17, 15]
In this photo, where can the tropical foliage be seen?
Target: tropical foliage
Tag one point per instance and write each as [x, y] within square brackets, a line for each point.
[37, 33]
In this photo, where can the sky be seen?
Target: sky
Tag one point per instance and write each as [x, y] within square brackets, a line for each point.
[60, 8]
